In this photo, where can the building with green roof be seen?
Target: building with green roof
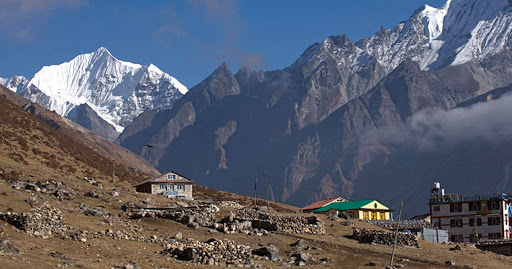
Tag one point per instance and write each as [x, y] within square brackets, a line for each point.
[364, 209]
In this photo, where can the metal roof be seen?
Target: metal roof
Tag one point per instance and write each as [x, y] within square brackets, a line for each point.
[348, 205]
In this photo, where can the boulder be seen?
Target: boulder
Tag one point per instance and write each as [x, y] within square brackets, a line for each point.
[7, 248]
[128, 205]
[148, 201]
[270, 251]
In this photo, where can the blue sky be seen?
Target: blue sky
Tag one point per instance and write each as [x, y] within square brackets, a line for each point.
[188, 38]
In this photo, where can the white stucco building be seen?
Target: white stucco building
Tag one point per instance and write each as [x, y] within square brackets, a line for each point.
[471, 218]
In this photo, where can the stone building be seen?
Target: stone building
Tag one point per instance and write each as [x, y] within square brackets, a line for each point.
[171, 185]
[471, 218]
[364, 210]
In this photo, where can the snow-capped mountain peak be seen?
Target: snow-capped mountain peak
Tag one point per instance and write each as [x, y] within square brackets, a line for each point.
[14, 83]
[458, 32]
[433, 19]
[117, 90]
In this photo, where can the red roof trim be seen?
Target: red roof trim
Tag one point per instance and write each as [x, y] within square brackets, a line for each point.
[319, 204]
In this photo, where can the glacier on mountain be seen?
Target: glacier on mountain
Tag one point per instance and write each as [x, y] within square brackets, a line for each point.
[117, 90]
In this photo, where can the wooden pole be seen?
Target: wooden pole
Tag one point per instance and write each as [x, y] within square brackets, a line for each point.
[255, 188]
[396, 234]
[114, 175]
[266, 187]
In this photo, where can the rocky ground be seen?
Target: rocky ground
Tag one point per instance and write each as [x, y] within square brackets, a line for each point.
[81, 222]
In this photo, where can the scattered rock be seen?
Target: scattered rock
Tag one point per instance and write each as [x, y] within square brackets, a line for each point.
[371, 264]
[148, 201]
[270, 251]
[92, 194]
[450, 262]
[347, 223]
[67, 261]
[231, 204]
[457, 247]
[6, 247]
[325, 260]
[300, 244]
[32, 201]
[93, 211]
[129, 205]
[178, 236]
[193, 225]
[128, 265]
[305, 257]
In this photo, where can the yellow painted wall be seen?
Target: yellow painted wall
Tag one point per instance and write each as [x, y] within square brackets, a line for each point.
[366, 214]
[373, 215]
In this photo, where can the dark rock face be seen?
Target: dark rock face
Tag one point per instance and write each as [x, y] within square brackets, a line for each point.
[315, 128]
[88, 118]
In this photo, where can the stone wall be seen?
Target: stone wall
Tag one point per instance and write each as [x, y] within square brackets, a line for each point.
[503, 247]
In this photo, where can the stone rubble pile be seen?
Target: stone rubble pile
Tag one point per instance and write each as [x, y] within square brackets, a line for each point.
[44, 221]
[384, 238]
[48, 186]
[231, 204]
[212, 252]
[288, 224]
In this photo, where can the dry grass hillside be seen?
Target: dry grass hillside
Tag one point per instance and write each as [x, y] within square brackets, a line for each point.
[82, 135]
[98, 234]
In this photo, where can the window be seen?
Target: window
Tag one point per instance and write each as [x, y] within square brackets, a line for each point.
[374, 215]
[382, 215]
[455, 207]
[366, 215]
[457, 238]
[456, 223]
[180, 187]
[171, 177]
[436, 208]
[491, 221]
[494, 236]
[475, 206]
[161, 186]
[478, 222]
[494, 205]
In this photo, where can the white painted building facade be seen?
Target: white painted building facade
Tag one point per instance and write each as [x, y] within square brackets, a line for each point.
[471, 218]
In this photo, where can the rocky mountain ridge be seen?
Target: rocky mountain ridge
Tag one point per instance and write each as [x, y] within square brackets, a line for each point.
[312, 126]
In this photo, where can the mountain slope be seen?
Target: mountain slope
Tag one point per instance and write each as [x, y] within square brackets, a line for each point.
[80, 135]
